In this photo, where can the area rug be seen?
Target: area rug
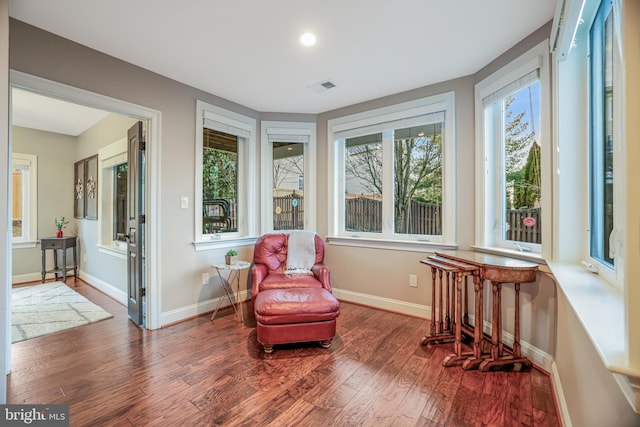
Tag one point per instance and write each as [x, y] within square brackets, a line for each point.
[42, 309]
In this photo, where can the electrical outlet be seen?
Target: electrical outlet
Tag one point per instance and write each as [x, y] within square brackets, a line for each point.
[413, 280]
[205, 278]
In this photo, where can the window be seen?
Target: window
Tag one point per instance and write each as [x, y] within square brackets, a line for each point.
[394, 172]
[112, 204]
[225, 177]
[24, 190]
[601, 166]
[219, 182]
[514, 145]
[120, 202]
[289, 189]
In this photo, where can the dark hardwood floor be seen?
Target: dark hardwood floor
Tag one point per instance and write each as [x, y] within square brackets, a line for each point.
[201, 372]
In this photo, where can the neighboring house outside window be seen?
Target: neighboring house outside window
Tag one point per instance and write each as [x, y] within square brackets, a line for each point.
[513, 157]
[24, 211]
[393, 173]
[288, 150]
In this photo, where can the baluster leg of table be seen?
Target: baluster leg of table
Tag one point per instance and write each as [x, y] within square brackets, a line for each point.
[465, 318]
[55, 263]
[447, 318]
[458, 341]
[500, 343]
[44, 262]
[64, 264]
[516, 327]
[494, 321]
[440, 314]
[432, 322]
[75, 264]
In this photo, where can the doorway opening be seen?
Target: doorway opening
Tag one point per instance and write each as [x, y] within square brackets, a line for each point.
[114, 111]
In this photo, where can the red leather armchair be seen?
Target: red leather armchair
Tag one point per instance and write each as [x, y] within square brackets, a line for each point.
[270, 263]
[291, 307]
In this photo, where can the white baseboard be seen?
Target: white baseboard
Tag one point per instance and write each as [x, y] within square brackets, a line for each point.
[107, 288]
[403, 307]
[559, 394]
[182, 313]
[24, 278]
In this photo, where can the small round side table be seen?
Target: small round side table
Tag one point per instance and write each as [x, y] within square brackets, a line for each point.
[227, 284]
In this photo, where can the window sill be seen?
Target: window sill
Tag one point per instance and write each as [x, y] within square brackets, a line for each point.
[115, 251]
[212, 244]
[397, 245]
[600, 307]
[525, 256]
[25, 244]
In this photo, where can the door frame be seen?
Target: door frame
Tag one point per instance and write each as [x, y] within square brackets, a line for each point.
[152, 118]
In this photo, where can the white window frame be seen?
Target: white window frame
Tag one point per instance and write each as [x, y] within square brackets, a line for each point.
[382, 118]
[29, 164]
[299, 132]
[223, 120]
[109, 156]
[611, 273]
[488, 207]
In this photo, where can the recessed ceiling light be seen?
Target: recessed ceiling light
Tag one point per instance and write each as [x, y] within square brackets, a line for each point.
[308, 39]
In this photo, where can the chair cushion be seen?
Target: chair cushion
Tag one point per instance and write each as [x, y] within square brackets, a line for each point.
[288, 281]
[299, 305]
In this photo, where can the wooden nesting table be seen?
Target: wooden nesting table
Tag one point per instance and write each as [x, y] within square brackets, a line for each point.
[450, 320]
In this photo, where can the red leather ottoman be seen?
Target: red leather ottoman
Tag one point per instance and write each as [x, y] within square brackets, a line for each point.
[295, 315]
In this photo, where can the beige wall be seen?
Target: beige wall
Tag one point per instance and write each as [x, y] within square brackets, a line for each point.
[95, 264]
[56, 156]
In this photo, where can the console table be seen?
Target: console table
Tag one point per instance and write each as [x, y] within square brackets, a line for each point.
[55, 244]
[498, 270]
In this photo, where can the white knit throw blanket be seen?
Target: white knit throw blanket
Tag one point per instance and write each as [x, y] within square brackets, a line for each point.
[301, 253]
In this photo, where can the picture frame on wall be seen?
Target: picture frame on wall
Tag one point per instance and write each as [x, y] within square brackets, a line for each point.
[78, 190]
[85, 188]
[91, 187]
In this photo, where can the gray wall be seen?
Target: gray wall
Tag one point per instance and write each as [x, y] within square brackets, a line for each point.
[380, 273]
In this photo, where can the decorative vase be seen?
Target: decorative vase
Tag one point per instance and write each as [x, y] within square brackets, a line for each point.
[230, 259]
[59, 233]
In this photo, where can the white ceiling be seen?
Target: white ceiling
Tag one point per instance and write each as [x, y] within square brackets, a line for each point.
[248, 51]
[35, 111]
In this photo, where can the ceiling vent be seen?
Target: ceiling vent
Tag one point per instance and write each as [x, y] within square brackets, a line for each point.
[322, 86]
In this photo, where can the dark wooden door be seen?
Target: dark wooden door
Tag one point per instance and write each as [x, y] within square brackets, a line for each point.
[135, 224]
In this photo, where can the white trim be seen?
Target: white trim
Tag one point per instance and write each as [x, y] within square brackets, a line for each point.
[296, 131]
[486, 216]
[245, 127]
[419, 107]
[153, 154]
[25, 278]
[398, 245]
[397, 306]
[200, 308]
[113, 251]
[105, 287]
[559, 394]
[28, 163]
[108, 157]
